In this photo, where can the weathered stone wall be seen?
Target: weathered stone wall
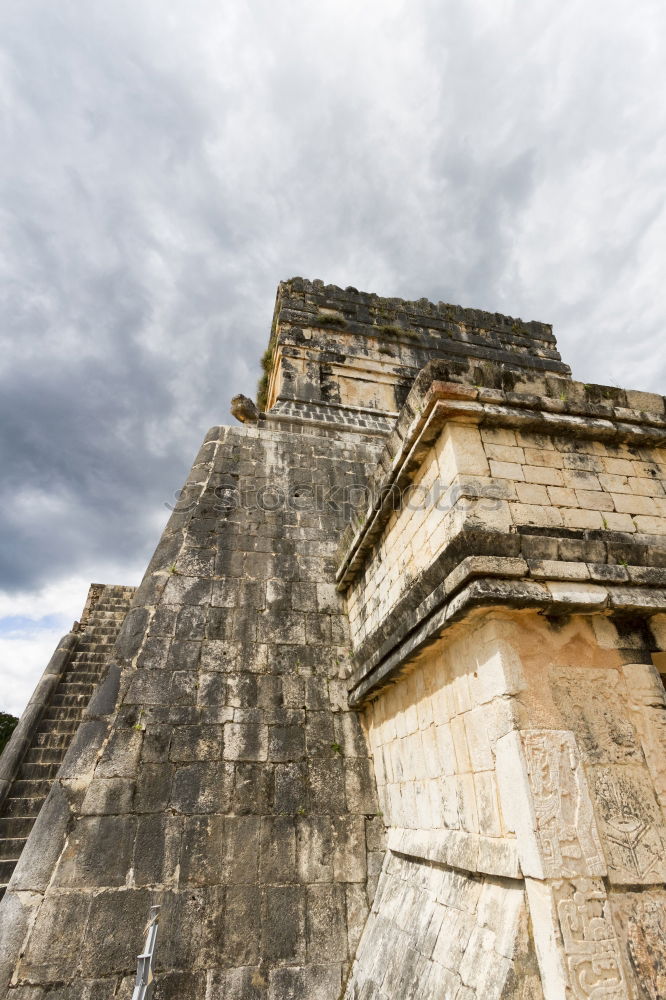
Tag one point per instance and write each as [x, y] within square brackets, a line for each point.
[333, 347]
[435, 932]
[220, 772]
[433, 737]
[508, 479]
[533, 751]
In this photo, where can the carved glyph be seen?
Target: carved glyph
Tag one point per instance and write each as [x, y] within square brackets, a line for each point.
[631, 824]
[565, 824]
[591, 950]
[546, 800]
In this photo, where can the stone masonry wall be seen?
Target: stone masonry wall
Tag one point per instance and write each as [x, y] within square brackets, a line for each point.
[337, 347]
[219, 772]
[506, 479]
[532, 750]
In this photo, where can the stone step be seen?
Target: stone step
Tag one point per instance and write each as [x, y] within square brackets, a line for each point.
[38, 772]
[45, 755]
[22, 807]
[31, 788]
[72, 685]
[70, 700]
[57, 727]
[12, 827]
[82, 676]
[6, 872]
[51, 741]
[115, 603]
[10, 850]
[62, 713]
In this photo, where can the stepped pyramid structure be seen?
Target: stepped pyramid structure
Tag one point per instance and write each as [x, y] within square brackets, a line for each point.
[384, 719]
[30, 766]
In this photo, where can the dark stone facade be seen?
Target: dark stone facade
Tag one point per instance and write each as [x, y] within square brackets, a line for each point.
[219, 771]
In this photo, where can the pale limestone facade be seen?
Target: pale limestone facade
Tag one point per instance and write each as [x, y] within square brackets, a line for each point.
[515, 741]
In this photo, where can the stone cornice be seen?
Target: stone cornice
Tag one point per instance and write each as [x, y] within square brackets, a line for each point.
[466, 590]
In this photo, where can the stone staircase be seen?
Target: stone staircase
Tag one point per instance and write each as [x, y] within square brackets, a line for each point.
[103, 615]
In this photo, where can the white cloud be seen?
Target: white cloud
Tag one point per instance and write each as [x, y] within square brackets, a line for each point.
[164, 167]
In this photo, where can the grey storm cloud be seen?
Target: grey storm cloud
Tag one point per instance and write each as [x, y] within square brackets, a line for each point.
[165, 165]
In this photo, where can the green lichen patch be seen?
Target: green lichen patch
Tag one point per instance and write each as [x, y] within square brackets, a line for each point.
[329, 319]
[267, 362]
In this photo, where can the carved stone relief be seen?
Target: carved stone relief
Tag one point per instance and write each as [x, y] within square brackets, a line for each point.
[651, 726]
[591, 951]
[648, 714]
[593, 704]
[565, 826]
[630, 823]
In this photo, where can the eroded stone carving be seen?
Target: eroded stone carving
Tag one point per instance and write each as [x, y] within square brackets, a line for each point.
[648, 714]
[546, 799]
[591, 703]
[631, 823]
[592, 955]
[565, 824]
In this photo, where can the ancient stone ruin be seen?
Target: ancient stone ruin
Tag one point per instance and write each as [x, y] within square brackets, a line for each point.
[384, 719]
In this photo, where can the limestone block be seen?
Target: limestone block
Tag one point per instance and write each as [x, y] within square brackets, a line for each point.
[576, 517]
[631, 823]
[487, 804]
[506, 470]
[644, 683]
[578, 593]
[545, 799]
[577, 948]
[534, 493]
[640, 923]
[648, 402]
[543, 475]
[498, 673]
[537, 515]
[460, 451]
[478, 743]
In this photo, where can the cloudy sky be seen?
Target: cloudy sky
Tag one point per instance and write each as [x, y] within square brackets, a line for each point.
[165, 164]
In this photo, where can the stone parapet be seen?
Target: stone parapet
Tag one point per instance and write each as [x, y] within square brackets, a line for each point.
[360, 350]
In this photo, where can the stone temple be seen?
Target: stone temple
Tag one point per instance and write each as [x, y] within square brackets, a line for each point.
[384, 719]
